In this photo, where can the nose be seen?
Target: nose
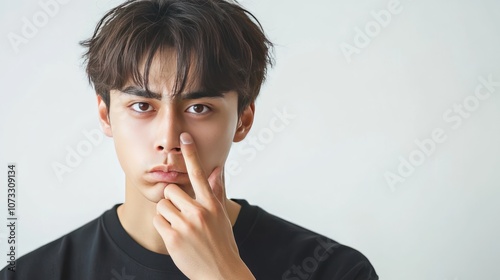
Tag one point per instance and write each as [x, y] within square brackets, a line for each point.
[168, 131]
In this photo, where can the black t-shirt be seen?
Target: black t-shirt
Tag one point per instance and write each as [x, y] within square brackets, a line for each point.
[271, 247]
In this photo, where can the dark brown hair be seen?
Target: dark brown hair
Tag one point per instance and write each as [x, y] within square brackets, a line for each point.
[223, 45]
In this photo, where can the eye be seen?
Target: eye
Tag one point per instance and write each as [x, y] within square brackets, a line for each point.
[141, 107]
[199, 109]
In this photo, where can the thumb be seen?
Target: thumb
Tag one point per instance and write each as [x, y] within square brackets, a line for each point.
[216, 181]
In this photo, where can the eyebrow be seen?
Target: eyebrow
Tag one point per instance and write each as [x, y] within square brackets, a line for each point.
[137, 91]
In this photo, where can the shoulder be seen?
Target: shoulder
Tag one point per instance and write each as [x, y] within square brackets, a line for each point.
[291, 251]
[46, 261]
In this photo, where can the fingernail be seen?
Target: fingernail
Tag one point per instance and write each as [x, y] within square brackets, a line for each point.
[186, 138]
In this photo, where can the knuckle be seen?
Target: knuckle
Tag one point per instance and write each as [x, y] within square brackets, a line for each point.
[160, 224]
[169, 189]
[156, 220]
[200, 215]
[173, 239]
[162, 204]
[213, 206]
[187, 227]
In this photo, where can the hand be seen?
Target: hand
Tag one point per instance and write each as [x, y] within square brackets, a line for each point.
[197, 232]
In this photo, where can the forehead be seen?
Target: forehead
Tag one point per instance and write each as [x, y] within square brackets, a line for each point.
[163, 74]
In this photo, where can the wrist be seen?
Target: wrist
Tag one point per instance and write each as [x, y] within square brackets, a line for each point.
[239, 271]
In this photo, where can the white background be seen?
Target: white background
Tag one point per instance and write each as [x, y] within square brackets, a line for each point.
[355, 118]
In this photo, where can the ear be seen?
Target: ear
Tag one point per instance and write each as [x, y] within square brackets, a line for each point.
[103, 117]
[245, 123]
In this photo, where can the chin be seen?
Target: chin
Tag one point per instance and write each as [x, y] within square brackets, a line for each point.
[155, 192]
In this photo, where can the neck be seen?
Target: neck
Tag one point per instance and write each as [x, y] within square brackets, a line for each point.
[136, 216]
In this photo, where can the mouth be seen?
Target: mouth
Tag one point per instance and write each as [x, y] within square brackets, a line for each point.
[166, 177]
[167, 169]
[166, 174]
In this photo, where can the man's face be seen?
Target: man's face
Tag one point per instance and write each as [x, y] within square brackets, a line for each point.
[146, 130]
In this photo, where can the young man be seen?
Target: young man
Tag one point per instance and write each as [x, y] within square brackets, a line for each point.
[176, 82]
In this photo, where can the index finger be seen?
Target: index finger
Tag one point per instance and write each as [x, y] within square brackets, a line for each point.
[195, 171]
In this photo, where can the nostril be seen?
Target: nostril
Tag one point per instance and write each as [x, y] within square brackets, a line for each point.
[163, 149]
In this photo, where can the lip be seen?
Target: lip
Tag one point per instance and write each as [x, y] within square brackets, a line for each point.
[167, 177]
[166, 169]
[165, 174]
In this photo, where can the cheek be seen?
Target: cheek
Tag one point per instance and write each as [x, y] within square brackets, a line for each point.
[213, 144]
[128, 136]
